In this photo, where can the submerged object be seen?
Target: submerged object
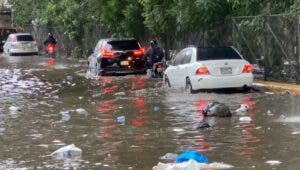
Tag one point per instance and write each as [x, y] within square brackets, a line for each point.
[67, 152]
[217, 109]
[192, 155]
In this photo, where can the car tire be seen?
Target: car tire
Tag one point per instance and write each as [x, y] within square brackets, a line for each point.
[188, 86]
[96, 69]
[167, 81]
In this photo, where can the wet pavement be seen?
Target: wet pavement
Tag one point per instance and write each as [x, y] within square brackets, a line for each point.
[129, 122]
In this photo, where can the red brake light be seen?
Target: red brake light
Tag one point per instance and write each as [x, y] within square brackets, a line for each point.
[248, 68]
[50, 48]
[138, 53]
[108, 54]
[202, 71]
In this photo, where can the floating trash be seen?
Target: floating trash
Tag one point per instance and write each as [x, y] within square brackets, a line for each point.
[65, 116]
[14, 109]
[121, 119]
[178, 130]
[156, 108]
[273, 162]
[81, 111]
[192, 155]
[245, 119]
[242, 108]
[67, 152]
[169, 157]
[69, 78]
[203, 125]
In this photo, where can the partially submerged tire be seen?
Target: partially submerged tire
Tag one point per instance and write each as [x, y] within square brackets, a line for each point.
[167, 81]
[188, 86]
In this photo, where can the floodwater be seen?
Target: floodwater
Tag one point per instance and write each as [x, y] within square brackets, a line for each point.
[129, 122]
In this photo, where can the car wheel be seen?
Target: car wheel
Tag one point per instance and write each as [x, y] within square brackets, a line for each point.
[167, 81]
[96, 70]
[188, 86]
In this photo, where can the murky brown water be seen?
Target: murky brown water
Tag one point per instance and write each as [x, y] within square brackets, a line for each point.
[158, 120]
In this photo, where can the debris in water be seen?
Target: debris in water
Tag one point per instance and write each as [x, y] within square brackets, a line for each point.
[67, 152]
[273, 162]
[65, 116]
[245, 119]
[121, 119]
[169, 157]
[120, 94]
[178, 130]
[192, 155]
[81, 111]
[14, 109]
[156, 108]
[203, 125]
[296, 133]
[242, 109]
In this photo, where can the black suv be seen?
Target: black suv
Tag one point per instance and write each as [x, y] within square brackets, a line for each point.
[117, 56]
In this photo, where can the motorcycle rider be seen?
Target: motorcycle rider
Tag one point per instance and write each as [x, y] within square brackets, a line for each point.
[50, 40]
[153, 55]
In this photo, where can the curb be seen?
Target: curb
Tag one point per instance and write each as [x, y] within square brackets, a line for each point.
[277, 87]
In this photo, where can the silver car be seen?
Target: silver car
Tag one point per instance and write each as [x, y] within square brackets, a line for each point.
[20, 43]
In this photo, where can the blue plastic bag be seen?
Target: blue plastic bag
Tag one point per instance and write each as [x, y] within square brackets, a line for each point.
[188, 155]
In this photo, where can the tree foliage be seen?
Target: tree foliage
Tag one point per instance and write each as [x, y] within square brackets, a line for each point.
[160, 18]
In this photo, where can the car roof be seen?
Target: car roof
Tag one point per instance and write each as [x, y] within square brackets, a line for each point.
[18, 34]
[117, 39]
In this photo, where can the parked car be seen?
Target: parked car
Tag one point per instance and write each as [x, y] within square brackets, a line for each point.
[20, 43]
[209, 68]
[4, 33]
[117, 56]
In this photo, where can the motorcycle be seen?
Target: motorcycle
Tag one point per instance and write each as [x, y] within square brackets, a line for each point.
[158, 70]
[51, 50]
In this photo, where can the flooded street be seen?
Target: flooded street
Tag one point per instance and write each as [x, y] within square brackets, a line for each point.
[129, 122]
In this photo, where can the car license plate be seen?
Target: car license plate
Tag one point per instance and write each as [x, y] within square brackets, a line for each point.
[226, 70]
[124, 63]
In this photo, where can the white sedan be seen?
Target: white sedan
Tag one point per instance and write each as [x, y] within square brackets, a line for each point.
[209, 68]
[20, 43]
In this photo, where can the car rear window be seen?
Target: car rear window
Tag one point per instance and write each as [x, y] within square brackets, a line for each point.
[217, 54]
[124, 45]
[24, 38]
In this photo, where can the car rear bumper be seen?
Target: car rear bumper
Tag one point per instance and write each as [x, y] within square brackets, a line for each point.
[118, 70]
[23, 51]
[214, 82]
[115, 66]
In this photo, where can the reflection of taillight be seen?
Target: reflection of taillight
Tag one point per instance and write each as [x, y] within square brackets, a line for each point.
[138, 53]
[108, 54]
[248, 68]
[202, 71]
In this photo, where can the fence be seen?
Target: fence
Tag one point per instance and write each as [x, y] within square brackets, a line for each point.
[271, 43]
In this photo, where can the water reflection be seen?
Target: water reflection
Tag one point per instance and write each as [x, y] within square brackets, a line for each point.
[249, 142]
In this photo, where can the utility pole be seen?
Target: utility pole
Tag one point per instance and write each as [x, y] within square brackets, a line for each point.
[298, 47]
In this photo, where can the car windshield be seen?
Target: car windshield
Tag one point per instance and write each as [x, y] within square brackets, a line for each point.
[123, 45]
[24, 38]
[219, 53]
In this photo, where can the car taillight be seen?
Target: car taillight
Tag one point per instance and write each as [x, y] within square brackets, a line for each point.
[248, 68]
[138, 53]
[202, 71]
[108, 54]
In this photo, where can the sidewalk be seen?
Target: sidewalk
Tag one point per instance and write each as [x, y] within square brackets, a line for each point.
[277, 86]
